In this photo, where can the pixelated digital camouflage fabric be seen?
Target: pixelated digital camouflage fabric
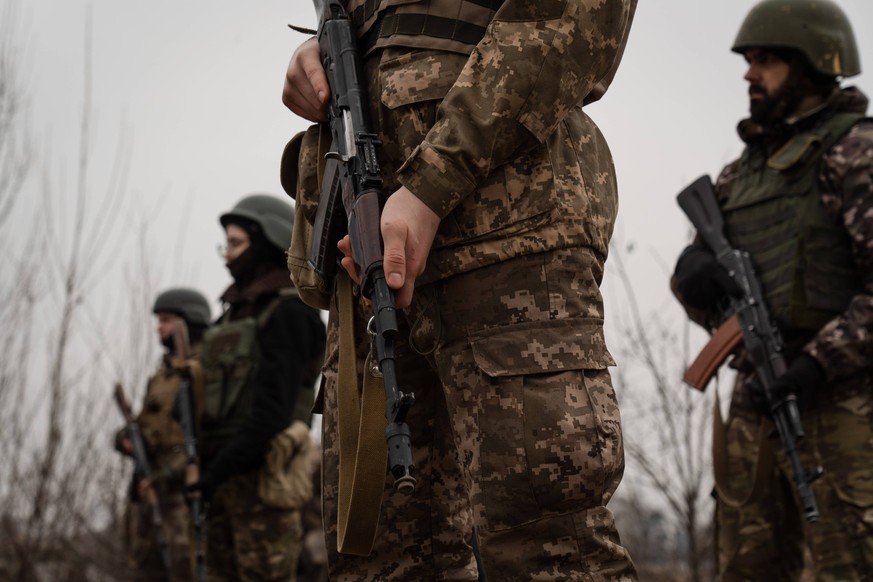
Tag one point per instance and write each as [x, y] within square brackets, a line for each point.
[247, 541]
[559, 193]
[497, 143]
[515, 431]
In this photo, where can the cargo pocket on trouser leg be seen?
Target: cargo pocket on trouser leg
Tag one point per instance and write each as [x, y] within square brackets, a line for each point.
[551, 455]
[549, 428]
[549, 444]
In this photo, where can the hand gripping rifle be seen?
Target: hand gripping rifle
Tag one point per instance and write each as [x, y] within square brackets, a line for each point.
[760, 336]
[184, 410]
[351, 202]
[143, 470]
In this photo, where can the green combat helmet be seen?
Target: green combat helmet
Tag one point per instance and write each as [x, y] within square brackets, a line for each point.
[275, 217]
[188, 303]
[817, 28]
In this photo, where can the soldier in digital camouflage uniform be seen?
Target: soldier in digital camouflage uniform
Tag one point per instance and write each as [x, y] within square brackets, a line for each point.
[800, 201]
[261, 359]
[502, 183]
[163, 438]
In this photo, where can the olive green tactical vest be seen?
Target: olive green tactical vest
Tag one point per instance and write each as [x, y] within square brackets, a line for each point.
[425, 24]
[801, 256]
[230, 359]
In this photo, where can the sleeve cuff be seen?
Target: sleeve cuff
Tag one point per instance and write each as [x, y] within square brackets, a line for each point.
[435, 180]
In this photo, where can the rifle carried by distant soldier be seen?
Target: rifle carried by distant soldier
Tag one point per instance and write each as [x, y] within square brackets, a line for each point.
[750, 323]
[185, 411]
[143, 471]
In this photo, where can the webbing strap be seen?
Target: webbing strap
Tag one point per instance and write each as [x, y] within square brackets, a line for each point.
[763, 462]
[363, 456]
[424, 25]
[361, 13]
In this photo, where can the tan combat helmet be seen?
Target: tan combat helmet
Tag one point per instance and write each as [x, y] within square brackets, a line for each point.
[817, 28]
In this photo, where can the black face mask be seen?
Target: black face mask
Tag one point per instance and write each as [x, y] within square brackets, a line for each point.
[169, 343]
[243, 265]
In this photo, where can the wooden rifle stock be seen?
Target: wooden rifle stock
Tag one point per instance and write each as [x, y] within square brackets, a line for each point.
[722, 343]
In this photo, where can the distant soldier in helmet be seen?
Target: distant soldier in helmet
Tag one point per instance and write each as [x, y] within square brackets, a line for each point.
[163, 438]
[799, 200]
[261, 360]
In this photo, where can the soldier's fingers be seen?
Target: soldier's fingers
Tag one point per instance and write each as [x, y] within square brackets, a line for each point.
[306, 89]
[394, 260]
[347, 262]
[301, 100]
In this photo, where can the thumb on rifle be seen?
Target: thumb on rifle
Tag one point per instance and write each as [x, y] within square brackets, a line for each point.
[394, 261]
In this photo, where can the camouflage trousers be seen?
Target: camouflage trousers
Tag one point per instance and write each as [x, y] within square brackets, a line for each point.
[765, 540]
[508, 437]
[248, 541]
[143, 551]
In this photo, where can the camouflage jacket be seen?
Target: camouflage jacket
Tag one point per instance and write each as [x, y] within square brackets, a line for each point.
[495, 142]
[843, 346]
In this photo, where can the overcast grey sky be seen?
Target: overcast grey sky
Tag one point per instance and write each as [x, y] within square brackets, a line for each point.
[197, 86]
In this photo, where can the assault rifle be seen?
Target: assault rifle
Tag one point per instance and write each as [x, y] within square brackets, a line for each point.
[184, 410]
[143, 470]
[351, 203]
[760, 336]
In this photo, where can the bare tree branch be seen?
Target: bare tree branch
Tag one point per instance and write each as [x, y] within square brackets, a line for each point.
[666, 423]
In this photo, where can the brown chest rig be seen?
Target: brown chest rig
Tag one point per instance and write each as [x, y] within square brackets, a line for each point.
[159, 429]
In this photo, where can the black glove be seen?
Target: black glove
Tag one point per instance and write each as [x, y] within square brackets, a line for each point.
[800, 380]
[205, 486]
[701, 280]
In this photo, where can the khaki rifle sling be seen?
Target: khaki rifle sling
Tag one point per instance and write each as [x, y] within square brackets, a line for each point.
[763, 462]
[363, 452]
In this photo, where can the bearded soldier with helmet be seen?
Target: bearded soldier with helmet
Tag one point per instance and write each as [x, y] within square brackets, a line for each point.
[260, 363]
[163, 439]
[799, 200]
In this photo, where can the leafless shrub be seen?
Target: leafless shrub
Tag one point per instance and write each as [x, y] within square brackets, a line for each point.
[666, 428]
[62, 487]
